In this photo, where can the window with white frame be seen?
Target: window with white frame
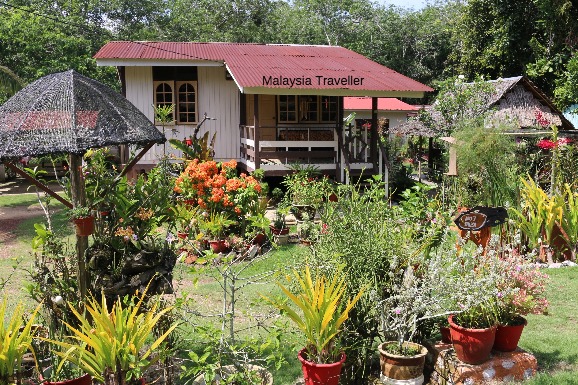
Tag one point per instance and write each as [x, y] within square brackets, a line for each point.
[177, 87]
[187, 102]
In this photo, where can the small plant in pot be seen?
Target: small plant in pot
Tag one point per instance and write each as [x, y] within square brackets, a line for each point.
[279, 225]
[115, 347]
[521, 293]
[308, 230]
[83, 220]
[412, 299]
[320, 301]
[215, 226]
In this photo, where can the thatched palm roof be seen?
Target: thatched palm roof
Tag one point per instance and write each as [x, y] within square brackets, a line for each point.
[70, 113]
[413, 127]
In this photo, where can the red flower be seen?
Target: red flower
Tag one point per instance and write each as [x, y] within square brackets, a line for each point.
[546, 144]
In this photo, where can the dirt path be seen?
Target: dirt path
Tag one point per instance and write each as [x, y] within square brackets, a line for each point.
[10, 218]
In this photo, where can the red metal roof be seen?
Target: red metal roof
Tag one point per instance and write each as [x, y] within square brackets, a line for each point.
[383, 104]
[255, 65]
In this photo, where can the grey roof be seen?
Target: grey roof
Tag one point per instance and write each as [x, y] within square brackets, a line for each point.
[413, 127]
[69, 113]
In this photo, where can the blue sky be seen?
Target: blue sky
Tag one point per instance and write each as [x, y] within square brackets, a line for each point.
[415, 4]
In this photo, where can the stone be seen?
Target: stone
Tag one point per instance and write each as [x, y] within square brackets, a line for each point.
[502, 367]
[556, 265]
[569, 264]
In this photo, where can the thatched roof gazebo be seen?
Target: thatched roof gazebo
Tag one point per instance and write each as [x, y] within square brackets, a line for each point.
[68, 113]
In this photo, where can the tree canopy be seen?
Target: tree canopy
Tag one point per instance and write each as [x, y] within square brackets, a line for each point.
[493, 38]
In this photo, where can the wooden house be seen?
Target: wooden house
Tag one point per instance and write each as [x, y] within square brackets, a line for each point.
[270, 105]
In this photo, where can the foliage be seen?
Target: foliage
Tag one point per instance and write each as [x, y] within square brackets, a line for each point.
[100, 174]
[216, 224]
[114, 343]
[319, 300]
[80, 212]
[212, 362]
[280, 214]
[16, 335]
[435, 286]
[569, 222]
[10, 83]
[425, 214]
[304, 188]
[459, 104]
[308, 230]
[196, 148]
[487, 167]
[522, 290]
[539, 213]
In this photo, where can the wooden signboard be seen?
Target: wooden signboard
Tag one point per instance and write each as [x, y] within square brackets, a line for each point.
[471, 221]
[480, 217]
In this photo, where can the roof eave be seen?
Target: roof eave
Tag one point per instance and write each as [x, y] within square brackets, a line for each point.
[115, 62]
[331, 92]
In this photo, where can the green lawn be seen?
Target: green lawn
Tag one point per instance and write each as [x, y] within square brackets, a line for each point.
[552, 338]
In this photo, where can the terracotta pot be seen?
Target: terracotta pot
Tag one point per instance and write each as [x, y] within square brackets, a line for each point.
[84, 226]
[446, 334]
[218, 246]
[182, 235]
[320, 374]
[259, 239]
[402, 369]
[84, 380]
[276, 231]
[472, 346]
[507, 337]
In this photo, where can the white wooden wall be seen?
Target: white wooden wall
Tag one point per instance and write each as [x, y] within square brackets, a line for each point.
[395, 117]
[218, 97]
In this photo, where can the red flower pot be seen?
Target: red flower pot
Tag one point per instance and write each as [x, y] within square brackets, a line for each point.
[84, 226]
[276, 231]
[320, 374]
[446, 334]
[259, 239]
[218, 246]
[472, 346]
[507, 337]
[182, 235]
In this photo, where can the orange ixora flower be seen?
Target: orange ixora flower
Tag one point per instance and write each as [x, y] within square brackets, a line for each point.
[216, 187]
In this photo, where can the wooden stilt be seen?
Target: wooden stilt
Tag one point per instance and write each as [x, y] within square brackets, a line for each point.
[133, 162]
[374, 131]
[78, 193]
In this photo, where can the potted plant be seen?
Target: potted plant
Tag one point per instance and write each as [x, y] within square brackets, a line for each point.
[473, 332]
[279, 225]
[258, 224]
[115, 347]
[16, 336]
[83, 219]
[412, 299]
[521, 293]
[308, 230]
[215, 226]
[304, 190]
[320, 301]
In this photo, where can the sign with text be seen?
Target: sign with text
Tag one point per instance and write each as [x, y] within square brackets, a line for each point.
[480, 217]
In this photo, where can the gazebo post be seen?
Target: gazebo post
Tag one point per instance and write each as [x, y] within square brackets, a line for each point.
[78, 193]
